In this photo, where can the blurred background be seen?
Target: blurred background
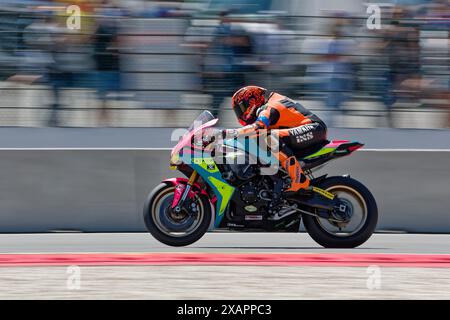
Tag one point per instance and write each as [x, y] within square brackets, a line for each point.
[137, 63]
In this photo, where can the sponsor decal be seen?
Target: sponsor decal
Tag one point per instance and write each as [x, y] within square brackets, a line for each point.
[324, 193]
[302, 129]
[253, 217]
[305, 137]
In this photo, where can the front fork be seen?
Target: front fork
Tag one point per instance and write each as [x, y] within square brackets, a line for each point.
[190, 183]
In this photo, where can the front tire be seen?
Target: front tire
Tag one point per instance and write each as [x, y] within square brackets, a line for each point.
[154, 208]
[316, 227]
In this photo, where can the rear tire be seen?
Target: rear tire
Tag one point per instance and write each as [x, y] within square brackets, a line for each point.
[328, 240]
[175, 241]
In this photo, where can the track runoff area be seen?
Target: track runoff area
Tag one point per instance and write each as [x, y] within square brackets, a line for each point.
[222, 265]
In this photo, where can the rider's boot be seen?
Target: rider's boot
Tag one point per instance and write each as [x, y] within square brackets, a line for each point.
[298, 179]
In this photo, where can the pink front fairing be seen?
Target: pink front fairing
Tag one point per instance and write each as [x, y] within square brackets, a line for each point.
[180, 185]
[187, 137]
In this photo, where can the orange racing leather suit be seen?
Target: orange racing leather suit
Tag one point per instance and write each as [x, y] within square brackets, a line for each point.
[296, 128]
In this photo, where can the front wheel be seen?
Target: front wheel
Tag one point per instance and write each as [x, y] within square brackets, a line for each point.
[172, 228]
[363, 215]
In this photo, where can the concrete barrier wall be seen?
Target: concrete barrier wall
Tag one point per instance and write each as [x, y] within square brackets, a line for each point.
[104, 190]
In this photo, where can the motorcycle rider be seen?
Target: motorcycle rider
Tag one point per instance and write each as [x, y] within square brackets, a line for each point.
[295, 126]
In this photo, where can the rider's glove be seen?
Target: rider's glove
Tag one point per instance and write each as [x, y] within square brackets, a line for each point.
[213, 134]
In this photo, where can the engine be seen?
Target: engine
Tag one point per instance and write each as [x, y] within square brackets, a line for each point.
[254, 190]
[249, 193]
[255, 196]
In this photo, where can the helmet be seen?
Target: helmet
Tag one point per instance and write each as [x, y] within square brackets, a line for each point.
[246, 101]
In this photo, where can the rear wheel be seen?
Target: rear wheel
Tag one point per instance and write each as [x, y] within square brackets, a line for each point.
[176, 228]
[362, 210]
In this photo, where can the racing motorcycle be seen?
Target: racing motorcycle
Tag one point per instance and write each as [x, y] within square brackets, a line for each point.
[337, 212]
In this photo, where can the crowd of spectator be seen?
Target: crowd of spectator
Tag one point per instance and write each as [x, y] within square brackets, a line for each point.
[336, 61]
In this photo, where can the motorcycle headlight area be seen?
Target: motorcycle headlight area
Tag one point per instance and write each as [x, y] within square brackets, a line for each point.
[175, 159]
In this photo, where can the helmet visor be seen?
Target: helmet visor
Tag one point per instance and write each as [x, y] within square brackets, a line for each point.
[240, 110]
[249, 116]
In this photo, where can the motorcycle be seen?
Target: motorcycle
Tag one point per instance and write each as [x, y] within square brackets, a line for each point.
[337, 212]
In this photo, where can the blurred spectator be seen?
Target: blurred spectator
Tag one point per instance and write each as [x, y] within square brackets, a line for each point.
[268, 59]
[225, 65]
[34, 54]
[73, 62]
[335, 67]
[403, 65]
[403, 52]
[436, 82]
[106, 56]
[342, 77]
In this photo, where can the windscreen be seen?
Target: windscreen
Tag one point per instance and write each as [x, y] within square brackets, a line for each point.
[203, 118]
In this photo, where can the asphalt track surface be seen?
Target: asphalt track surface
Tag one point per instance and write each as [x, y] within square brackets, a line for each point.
[68, 279]
[217, 242]
[224, 282]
